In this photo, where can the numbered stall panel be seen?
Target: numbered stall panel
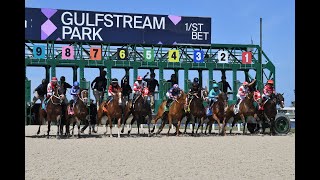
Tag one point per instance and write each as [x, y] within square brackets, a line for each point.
[148, 55]
[67, 52]
[122, 54]
[198, 56]
[246, 58]
[173, 56]
[223, 57]
[95, 53]
[39, 51]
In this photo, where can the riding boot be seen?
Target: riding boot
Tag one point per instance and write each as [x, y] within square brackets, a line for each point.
[238, 100]
[168, 103]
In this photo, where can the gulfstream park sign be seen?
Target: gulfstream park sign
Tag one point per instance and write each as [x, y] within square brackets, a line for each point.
[88, 26]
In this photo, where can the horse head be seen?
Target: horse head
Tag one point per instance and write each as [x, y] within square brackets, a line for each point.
[181, 98]
[84, 95]
[118, 96]
[56, 97]
[280, 99]
[204, 94]
[223, 97]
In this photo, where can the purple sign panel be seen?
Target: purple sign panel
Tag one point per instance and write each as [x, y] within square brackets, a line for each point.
[106, 27]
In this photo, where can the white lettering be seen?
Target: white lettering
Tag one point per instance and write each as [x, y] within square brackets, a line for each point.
[136, 22]
[194, 27]
[69, 20]
[110, 21]
[88, 20]
[200, 26]
[84, 33]
[96, 33]
[65, 32]
[98, 18]
[125, 21]
[76, 19]
[147, 23]
[159, 25]
[117, 16]
[194, 36]
[76, 33]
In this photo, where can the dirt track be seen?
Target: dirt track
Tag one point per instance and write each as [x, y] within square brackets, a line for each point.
[185, 157]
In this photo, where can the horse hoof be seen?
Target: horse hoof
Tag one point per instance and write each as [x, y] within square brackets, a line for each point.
[122, 131]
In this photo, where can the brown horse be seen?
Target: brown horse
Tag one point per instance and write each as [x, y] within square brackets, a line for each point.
[140, 111]
[80, 112]
[197, 110]
[269, 113]
[112, 110]
[246, 109]
[218, 111]
[176, 112]
[53, 112]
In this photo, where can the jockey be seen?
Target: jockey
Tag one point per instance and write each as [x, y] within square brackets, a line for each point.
[126, 88]
[113, 88]
[195, 88]
[213, 94]
[50, 88]
[173, 94]
[242, 93]
[40, 91]
[74, 92]
[268, 90]
[137, 88]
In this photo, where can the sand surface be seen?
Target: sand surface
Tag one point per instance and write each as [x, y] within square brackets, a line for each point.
[162, 157]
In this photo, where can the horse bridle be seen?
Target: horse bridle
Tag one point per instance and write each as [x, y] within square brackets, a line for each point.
[58, 97]
[82, 98]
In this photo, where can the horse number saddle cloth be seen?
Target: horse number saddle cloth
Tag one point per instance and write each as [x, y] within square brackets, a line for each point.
[70, 110]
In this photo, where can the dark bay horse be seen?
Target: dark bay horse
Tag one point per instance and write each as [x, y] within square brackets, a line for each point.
[218, 112]
[269, 113]
[176, 112]
[197, 110]
[80, 112]
[53, 112]
[113, 110]
[140, 111]
[246, 109]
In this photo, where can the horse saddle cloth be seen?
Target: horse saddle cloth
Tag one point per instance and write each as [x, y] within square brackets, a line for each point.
[70, 110]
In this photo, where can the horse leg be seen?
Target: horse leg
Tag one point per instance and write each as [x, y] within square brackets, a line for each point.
[149, 122]
[244, 123]
[170, 124]
[178, 127]
[201, 121]
[214, 116]
[58, 118]
[110, 125]
[186, 125]
[119, 126]
[132, 121]
[73, 124]
[155, 121]
[78, 125]
[49, 122]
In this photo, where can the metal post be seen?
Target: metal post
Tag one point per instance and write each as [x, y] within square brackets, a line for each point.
[75, 73]
[200, 77]
[186, 78]
[210, 78]
[176, 72]
[246, 75]
[48, 73]
[235, 88]
[161, 87]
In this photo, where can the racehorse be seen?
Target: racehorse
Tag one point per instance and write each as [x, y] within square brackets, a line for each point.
[111, 109]
[246, 109]
[270, 110]
[218, 111]
[176, 112]
[79, 113]
[197, 110]
[140, 110]
[53, 112]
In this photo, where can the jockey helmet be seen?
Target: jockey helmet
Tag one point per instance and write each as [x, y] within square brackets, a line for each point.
[44, 81]
[195, 79]
[54, 79]
[62, 78]
[114, 80]
[175, 86]
[245, 83]
[215, 85]
[76, 84]
[139, 78]
[270, 81]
